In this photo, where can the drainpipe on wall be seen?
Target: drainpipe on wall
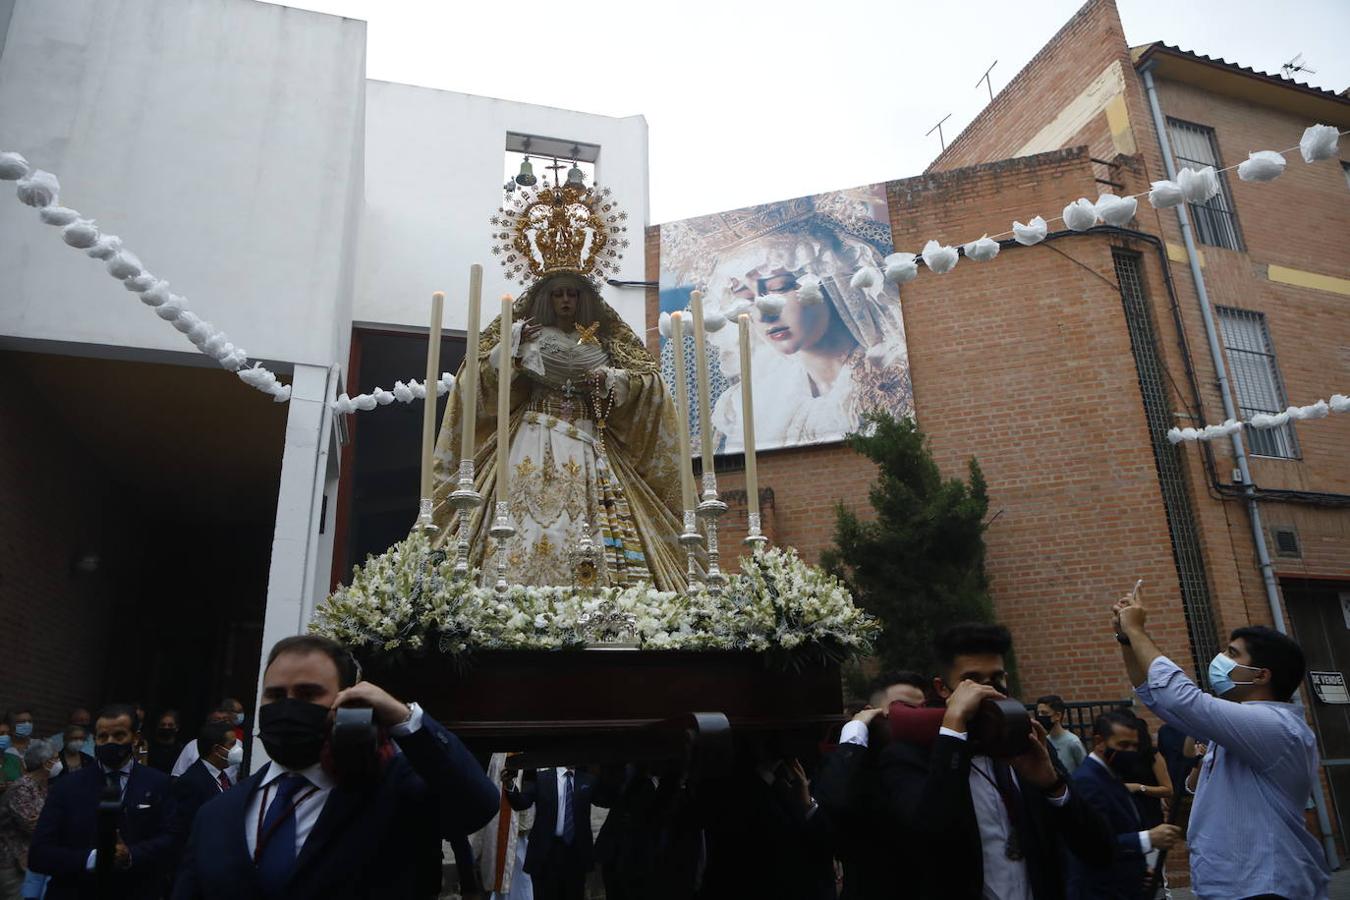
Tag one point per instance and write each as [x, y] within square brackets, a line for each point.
[1239, 450]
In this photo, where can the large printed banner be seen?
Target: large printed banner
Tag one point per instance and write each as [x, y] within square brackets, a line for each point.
[817, 366]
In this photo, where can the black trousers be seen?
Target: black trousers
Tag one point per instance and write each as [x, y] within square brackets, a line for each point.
[562, 875]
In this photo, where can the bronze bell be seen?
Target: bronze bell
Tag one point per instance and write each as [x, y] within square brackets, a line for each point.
[526, 177]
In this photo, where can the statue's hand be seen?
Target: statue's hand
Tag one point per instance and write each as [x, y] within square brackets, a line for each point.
[596, 378]
[530, 331]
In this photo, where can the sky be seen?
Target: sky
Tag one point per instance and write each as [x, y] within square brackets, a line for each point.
[749, 101]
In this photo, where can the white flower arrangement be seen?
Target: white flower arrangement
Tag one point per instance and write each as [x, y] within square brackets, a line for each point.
[408, 599]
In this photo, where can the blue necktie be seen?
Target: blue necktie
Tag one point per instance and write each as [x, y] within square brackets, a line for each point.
[277, 859]
[569, 821]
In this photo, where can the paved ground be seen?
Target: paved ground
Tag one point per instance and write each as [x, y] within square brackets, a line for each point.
[1339, 889]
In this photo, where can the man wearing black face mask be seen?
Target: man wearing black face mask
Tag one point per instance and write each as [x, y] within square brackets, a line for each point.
[1050, 713]
[986, 828]
[311, 829]
[64, 842]
[1100, 780]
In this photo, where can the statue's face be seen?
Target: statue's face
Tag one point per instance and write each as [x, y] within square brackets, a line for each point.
[797, 327]
[565, 299]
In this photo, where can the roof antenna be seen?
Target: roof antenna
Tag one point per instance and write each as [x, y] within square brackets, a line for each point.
[987, 83]
[1297, 65]
[938, 129]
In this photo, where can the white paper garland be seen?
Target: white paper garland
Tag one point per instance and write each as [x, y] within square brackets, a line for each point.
[1338, 403]
[403, 393]
[41, 189]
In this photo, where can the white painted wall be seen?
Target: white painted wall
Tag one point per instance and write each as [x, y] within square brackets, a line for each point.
[433, 179]
[238, 149]
[221, 139]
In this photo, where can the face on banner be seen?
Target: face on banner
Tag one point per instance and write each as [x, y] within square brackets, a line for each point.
[827, 335]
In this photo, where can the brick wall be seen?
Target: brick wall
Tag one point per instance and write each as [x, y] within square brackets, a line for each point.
[1024, 362]
[53, 504]
[1079, 53]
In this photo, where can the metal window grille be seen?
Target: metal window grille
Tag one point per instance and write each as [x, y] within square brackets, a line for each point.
[1216, 219]
[1256, 379]
[1181, 528]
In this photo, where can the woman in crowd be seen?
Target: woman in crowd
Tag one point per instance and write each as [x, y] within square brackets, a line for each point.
[165, 745]
[1151, 786]
[19, 811]
[11, 764]
[71, 755]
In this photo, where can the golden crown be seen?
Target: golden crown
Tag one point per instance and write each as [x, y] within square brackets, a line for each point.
[567, 228]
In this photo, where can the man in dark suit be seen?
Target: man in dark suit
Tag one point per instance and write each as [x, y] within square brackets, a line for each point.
[218, 750]
[863, 833]
[984, 827]
[1115, 748]
[66, 837]
[317, 823]
[560, 852]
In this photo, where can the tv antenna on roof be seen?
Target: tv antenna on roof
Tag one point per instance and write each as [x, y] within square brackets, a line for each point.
[987, 83]
[1297, 65]
[938, 129]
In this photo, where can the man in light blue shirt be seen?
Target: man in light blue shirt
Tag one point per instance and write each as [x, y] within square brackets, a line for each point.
[1247, 835]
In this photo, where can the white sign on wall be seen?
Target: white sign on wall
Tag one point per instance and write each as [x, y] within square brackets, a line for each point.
[1329, 687]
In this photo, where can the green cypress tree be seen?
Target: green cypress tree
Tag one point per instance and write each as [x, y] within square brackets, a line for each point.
[919, 565]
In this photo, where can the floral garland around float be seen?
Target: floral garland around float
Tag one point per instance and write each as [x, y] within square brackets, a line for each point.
[407, 600]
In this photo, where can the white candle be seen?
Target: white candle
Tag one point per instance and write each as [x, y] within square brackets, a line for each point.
[682, 411]
[504, 402]
[429, 406]
[469, 383]
[748, 419]
[701, 368]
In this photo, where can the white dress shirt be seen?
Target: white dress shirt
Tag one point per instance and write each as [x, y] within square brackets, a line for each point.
[1145, 845]
[186, 757]
[311, 800]
[215, 773]
[562, 799]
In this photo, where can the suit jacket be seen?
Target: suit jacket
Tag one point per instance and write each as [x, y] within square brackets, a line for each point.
[1124, 880]
[190, 791]
[866, 836]
[542, 793]
[68, 829]
[375, 839]
[930, 793]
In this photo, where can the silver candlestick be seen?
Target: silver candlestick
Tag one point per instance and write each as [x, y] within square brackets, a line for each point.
[755, 540]
[464, 499]
[424, 522]
[709, 508]
[502, 530]
[691, 540]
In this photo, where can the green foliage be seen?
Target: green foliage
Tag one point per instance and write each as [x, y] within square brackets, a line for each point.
[919, 565]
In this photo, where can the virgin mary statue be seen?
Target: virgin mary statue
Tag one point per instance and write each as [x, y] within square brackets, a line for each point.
[594, 450]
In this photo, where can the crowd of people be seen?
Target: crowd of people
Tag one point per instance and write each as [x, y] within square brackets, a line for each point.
[938, 787]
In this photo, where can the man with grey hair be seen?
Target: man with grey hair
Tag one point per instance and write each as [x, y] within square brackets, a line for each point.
[19, 812]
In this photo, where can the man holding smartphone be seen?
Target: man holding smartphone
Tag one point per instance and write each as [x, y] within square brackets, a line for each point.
[1247, 836]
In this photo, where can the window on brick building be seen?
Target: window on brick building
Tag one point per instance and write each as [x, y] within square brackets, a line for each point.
[1215, 220]
[1256, 379]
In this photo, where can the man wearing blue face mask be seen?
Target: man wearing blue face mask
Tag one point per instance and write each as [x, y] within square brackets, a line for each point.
[1247, 836]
